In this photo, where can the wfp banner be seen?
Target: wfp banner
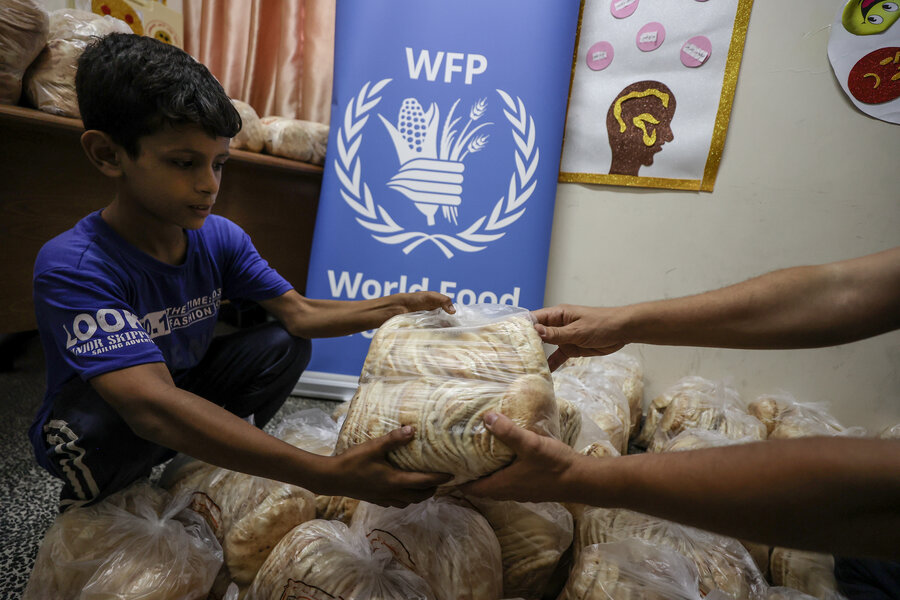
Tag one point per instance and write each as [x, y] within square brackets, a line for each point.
[443, 154]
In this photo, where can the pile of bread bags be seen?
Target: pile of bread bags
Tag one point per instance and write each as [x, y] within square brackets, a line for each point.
[261, 539]
[39, 54]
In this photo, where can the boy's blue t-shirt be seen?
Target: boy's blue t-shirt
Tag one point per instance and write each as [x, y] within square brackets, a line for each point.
[103, 305]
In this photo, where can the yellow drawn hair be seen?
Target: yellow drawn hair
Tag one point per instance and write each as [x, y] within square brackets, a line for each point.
[639, 120]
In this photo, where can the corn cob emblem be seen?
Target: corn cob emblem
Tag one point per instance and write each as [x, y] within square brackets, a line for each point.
[431, 162]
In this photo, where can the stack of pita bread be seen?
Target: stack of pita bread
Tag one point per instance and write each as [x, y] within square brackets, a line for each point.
[327, 559]
[249, 514]
[138, 544]
[448, 544]
[441, 373]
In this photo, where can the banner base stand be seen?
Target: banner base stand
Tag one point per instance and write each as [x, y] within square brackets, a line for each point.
[328, 386]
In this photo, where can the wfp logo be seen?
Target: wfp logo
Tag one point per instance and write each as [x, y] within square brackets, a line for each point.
[431, 155]
[431, 173]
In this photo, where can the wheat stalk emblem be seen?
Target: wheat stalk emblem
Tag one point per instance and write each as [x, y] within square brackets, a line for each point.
[425, 177]
[431, 156]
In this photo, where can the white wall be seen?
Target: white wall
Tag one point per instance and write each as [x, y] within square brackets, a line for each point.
[805, 178]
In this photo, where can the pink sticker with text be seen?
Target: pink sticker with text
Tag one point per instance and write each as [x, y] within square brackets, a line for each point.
[623, 8]
[696, 51]
[599, 56]
[650, 37]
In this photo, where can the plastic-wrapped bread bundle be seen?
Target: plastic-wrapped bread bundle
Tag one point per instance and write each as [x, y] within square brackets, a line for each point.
[249, 514]
[340, 412]
[715, 406]
[314, 431]
[631, 570]
[441, 373]
[694, 439]
[24, 28]
[533, 538]
[294, 138]
[768, 408]
[722, 562]
[138, 544]
[690, 386]
[252, 135]
[325, 560]
[810, 572]
[791, 419]
[449, 545]
[622, 369]
[569, 421]
[49, 82]
[599, 400]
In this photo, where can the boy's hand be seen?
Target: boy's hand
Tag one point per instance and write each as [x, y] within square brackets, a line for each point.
[363, 472]
[415, 301]
[577, 331]
[540, 472]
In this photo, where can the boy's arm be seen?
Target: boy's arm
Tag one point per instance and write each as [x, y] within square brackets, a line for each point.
[312, 318]
[156, 410]
[799, 307]
[837, 495]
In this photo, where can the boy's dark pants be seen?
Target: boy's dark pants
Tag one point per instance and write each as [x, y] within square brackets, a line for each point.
[95, 453]
[867, 578]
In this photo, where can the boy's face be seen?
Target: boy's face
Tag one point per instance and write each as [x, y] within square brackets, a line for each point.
[175, 177]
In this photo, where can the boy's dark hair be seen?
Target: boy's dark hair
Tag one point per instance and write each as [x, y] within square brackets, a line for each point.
[130, 86]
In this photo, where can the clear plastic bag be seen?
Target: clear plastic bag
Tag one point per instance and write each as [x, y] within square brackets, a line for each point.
[324, 560]
[24, 29]
[440, 373]
[695, 439]
[314, 431]
[252, 135]
[296, 139]
[249, 514]
[621, 368]
[533, 538]
[451, 546]
[139, 544]
[786, 418]
[697, 403]
[570, 419]
[598, 400]
[50, 80]
[722, 562]
[809, 572]
[631, 570]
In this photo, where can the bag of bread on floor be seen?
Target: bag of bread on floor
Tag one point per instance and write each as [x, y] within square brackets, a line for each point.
[440, 373]
[140, 543]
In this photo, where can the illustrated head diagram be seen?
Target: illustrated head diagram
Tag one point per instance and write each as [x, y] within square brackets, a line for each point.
[638, 123]
[865, 17]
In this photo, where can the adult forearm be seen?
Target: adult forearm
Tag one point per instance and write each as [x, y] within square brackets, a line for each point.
[800, 307]
[827, 494]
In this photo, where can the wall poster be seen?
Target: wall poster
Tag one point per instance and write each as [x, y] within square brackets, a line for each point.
[651, 92]
[864, 50]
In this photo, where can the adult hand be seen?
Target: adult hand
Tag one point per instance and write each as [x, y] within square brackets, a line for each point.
[363, 472]
[414, 301]
[542, 470]
[577, 331]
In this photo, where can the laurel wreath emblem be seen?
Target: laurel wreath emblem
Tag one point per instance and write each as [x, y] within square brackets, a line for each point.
[374, 217]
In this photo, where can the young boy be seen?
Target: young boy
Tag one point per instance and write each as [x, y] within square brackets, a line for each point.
[127, 300]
